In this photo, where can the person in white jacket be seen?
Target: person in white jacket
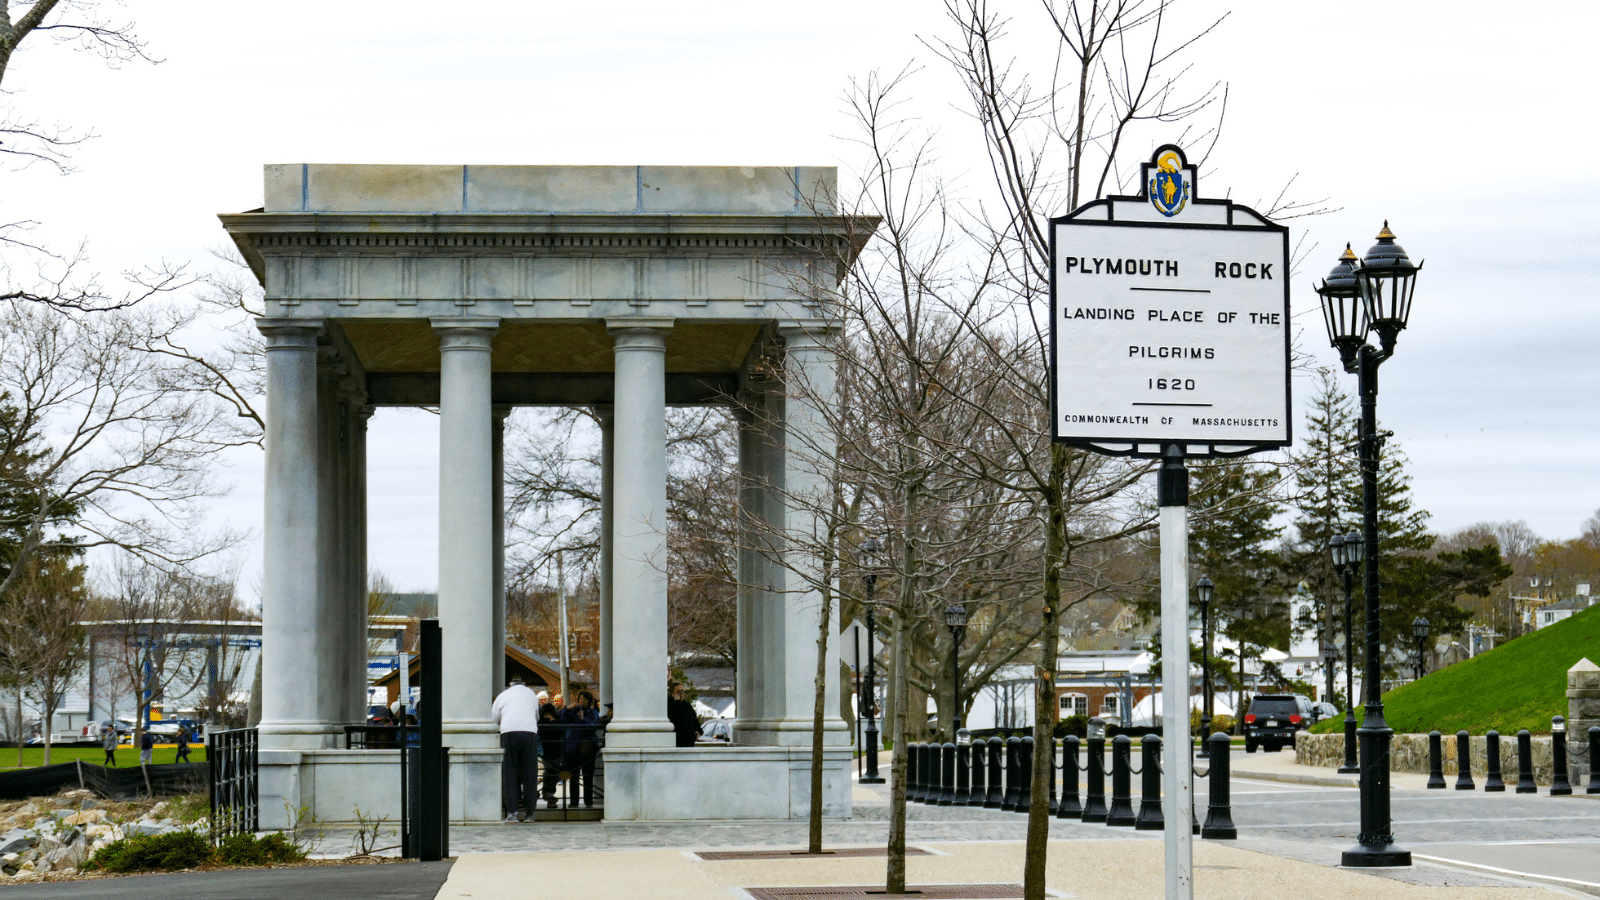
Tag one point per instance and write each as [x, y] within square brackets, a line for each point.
[516, 711]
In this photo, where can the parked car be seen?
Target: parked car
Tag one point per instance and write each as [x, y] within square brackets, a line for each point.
[1273, 719]
[718, 731]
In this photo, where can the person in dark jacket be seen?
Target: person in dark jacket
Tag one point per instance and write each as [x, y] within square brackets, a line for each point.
[680, 712]
[108, 741]
[183, 743]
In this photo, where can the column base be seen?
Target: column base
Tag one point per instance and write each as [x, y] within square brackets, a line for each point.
[471, 735]
[640, 733]
[1377, 856]
[300, 735]
[721, 782]
[331, 785]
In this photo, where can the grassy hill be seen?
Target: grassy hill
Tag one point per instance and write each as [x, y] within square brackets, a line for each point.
[1514, 686]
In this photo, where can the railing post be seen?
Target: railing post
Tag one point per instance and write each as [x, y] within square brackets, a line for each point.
[1560, 782]
[1025, 774]
[1492, 782]
[1051, 802]
[1121, 812]
[1435, 762]
[1463, 761]
[1013, 790]
[1594, 761]
[979, 766]
[1150, 818]
[963, 795]
[1094, 801]
[947, 778]
[1070, 807]
[1219, 814]
[1525, 784]
[996, 798]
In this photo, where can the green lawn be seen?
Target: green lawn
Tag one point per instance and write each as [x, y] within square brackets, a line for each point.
[1518, 685]
[126, 756]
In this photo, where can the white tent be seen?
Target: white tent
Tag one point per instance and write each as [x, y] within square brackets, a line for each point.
[1147, 712]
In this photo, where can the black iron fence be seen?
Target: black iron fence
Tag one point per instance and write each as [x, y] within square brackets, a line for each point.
[233, 757]
[572, 770]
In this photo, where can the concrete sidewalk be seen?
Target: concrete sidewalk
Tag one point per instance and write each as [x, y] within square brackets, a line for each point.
[1091, 870]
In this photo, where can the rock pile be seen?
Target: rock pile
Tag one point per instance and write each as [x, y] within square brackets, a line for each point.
[58, 834]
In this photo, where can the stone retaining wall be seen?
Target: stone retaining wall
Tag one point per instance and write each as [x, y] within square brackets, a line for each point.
[1409, 753]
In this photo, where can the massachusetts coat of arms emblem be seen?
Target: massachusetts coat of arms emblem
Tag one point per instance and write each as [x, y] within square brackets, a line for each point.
[1168, 188]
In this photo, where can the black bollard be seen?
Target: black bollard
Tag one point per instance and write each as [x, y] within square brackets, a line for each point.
[1560, 785]
[963, 796]
[1525, 783]
[912, 772]
[1219, 815]
[1121, 812]
[979, 766]
[1464, 761]
[1051, 801]
[928, 783]
[996, 797]
[1492, 782]
[1150, 818]
[948, 775]
[1435, 762]
[1024, 774]
[1094, 800]
[1013, 785]
[1070, 807]
[1594, 760]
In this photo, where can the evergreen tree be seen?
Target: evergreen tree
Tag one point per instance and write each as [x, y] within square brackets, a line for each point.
[1327, 477]
[1231, 539]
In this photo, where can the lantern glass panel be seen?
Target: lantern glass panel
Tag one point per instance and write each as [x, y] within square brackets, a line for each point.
[1355, 548]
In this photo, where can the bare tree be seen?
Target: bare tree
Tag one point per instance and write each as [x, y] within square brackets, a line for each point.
[108, 445]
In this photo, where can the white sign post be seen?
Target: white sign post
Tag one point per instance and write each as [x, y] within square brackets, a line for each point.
[1170, 339]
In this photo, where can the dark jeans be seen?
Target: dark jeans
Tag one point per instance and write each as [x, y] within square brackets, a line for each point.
[519, 771]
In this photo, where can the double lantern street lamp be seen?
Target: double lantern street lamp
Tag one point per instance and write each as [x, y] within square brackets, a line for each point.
[1203, 590]
[1419, 630]
[1348, 551]
[1359, 297]
[870, 548]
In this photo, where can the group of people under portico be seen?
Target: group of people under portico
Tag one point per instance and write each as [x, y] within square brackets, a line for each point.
[539, 729]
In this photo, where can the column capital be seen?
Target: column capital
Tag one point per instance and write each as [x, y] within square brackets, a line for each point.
[290, 334]
[802, 333]
[655, 327]
[605, 414]
[498, 413]
[465, 332]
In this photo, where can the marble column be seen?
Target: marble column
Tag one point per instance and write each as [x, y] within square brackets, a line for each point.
[605, 415]
[466, 532]
[759, 631]
[808, 453]
[356, 593]
[639, 535]
[497, 647]
[291, 668]
[335, 640]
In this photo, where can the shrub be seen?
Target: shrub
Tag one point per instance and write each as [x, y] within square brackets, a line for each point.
[1074, 725]
[153, 852]
[249, 850]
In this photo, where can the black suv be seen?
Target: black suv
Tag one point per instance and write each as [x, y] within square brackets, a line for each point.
[1273, 719]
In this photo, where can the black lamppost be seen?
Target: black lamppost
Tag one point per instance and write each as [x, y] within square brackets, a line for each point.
[869, 559]
[1348, 551]
[1203, 589]
[1372, 294]
[955, 616]
[1419, 630]
[1330, 659]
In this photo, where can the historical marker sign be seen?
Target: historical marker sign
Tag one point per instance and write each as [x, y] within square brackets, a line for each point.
[1170, 321]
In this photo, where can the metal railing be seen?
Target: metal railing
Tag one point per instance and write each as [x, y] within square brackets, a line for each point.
[572, 767]
[233, 758]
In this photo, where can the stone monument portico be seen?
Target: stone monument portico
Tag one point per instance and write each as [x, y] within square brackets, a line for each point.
[476, 289]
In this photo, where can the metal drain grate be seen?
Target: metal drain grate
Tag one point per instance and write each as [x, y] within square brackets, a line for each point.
[716, 855]
[871, 892]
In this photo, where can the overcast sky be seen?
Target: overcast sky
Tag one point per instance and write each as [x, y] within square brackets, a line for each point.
[1468, 127]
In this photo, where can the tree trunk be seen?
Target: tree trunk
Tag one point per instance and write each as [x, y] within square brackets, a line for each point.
[1044, 703]
[818, 713]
